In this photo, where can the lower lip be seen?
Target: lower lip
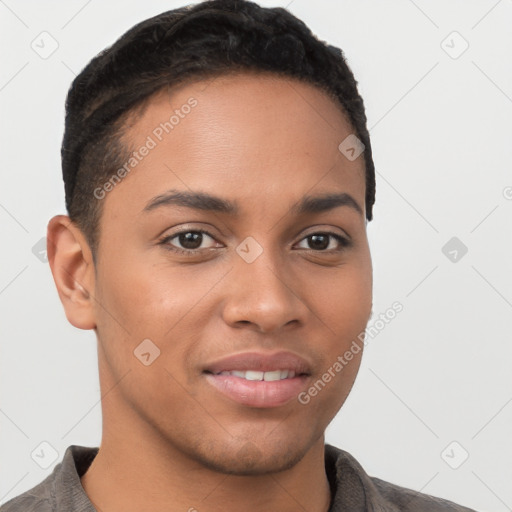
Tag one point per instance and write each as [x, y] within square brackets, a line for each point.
[258, 393]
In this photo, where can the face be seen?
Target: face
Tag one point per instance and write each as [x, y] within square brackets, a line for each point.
[236, 244]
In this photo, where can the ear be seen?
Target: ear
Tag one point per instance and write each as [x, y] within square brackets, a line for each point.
[72, 268]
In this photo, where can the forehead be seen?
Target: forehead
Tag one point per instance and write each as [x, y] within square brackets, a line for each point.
[248, 136]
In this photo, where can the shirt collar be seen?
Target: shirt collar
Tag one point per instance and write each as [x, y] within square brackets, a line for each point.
[67, 492]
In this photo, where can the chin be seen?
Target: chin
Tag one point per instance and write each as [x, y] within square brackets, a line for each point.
[248, 459]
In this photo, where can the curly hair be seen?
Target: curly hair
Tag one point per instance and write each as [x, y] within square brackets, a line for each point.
[197, 41]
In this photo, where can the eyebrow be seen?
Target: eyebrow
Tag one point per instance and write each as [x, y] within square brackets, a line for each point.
[207, 202]
[195, 200]
[325, 202]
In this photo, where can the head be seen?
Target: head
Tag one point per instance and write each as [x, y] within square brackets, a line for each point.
[212, 214]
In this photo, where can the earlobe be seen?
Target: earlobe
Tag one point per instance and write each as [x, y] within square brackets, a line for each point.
[72, 268]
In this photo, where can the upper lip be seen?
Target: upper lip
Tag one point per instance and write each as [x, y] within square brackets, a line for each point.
[259, 361]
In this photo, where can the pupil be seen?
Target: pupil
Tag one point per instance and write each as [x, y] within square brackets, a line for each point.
[318, 241]
[191, 240]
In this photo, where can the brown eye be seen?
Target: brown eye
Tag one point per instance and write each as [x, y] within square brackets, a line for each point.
[318, 241]
[321, 242]
[189, 241]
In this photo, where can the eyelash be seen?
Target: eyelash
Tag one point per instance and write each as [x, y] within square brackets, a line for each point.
[344, 242]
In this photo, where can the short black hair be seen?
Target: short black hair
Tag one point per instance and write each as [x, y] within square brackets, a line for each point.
[202, 40]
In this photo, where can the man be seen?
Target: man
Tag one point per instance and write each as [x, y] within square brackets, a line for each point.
[219, 180]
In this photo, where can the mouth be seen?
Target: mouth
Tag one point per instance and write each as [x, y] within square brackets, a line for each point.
[258, 379]
[253, 375]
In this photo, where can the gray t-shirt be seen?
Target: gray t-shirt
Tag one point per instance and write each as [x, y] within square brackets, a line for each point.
[352, 490]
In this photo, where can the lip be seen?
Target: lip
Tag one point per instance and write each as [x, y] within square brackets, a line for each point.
[262, 394]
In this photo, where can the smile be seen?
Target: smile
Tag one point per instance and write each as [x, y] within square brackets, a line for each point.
[257, 375]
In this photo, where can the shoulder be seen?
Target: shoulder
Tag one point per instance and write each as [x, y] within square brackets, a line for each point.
[376, 494]
[61, 490]
[37, 499]
[409, 500]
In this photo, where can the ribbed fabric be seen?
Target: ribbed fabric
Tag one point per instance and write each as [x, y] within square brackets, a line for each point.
[352, 490]
[61, 491]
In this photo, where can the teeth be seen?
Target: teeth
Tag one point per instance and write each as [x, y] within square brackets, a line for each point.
[266, 376]
[250, 375]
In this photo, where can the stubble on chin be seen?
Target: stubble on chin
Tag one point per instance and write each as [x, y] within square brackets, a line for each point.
[250, 460]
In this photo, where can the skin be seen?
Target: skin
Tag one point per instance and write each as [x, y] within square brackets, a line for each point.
[170, 440]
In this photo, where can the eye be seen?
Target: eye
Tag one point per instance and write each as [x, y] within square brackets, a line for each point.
[325, 242]
[190, 241]
[193, 241]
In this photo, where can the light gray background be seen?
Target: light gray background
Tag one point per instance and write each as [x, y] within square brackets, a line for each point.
[441, 132]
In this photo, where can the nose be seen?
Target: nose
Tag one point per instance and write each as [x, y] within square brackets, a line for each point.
[264, 295]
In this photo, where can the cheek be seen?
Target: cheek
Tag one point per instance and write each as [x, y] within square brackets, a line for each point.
[137, 301]
[344, 302]
[150, 299]
[137, 304]
[344, 308]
